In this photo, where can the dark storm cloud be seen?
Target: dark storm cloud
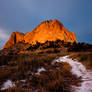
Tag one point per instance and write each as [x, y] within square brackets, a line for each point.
[25, 15]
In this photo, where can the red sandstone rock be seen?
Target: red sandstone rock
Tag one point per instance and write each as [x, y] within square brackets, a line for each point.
[51, 31]
[14, 38]
[48, 30]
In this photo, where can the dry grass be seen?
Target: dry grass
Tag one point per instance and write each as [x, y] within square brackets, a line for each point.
[19, 90]
[56, 78]
[84, 57]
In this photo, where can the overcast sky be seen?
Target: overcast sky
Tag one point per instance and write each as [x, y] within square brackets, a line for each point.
[25, 15]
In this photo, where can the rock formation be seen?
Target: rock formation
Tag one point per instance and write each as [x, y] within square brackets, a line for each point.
[47, 30]
[14, 38]
[51, 31]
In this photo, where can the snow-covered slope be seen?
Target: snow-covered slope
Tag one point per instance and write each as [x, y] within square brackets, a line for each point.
[79, 70]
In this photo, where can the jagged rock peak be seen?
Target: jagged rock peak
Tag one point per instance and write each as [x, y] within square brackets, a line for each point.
[51, 31]
[50, 23]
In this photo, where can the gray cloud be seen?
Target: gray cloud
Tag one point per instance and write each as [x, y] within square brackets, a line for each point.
[3, 35]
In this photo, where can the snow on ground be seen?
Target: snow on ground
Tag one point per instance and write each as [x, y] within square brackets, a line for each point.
[23, 80]
[40, 70]
[79, 70]
[8, 84]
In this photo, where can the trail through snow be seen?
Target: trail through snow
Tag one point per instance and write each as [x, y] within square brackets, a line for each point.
[79, 70]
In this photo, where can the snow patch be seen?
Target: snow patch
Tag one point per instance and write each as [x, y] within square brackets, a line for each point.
[80, 71]
[23, 80]
[40, 70]
[8, 84]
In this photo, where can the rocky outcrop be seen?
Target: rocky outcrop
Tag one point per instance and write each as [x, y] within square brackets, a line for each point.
[14, 38]
[46, 31]
[51, 31]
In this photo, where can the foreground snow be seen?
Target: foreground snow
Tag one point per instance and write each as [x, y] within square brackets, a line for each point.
[8, 84]
[79, 70]
[40, 70]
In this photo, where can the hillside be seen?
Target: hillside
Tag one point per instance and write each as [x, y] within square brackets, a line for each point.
[48, 59]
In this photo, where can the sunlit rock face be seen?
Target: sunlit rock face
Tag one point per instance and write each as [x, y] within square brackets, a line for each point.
[47, 30]
[14, 38]
[51, 31]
